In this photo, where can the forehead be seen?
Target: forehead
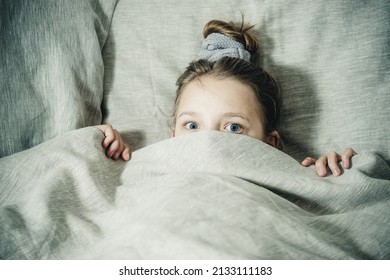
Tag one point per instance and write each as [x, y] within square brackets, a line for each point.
[220, 93]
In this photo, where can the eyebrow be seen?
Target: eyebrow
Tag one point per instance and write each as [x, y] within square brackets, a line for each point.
[225, 115]
[187, 113]
[236, 115]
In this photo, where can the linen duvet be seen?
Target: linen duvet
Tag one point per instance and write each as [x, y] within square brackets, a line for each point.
[207, 195]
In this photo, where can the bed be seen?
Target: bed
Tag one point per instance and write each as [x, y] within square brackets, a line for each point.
[68, 65]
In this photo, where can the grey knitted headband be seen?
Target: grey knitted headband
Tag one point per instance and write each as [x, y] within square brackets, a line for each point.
[216, 45]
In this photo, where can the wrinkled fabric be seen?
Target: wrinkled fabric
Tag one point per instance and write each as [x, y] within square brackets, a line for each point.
[51, 68]
[207, 195]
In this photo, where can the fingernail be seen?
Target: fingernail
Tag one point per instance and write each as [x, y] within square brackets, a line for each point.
[336, 172]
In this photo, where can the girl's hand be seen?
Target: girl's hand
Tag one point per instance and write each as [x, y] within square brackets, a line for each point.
[331, 161]
[113, 143]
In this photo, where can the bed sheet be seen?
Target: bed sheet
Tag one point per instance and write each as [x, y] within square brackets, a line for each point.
[208, 195]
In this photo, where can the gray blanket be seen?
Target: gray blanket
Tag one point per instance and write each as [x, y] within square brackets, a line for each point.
[208, 195]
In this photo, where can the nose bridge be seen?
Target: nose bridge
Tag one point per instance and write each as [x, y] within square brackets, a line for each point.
[212, 123]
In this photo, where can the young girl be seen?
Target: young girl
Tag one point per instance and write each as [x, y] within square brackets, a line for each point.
[225, 91]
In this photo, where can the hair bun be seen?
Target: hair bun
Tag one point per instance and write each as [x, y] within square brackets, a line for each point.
[216, 46]
[237, 33]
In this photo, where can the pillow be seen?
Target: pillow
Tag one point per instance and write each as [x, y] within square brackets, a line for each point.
[51, 68]
[330, 58]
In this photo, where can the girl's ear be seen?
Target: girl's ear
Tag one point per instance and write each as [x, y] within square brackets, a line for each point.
[275, 140]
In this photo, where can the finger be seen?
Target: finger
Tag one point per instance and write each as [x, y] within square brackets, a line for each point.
[346, 157]
[333, 163]
[116, 155]
[321, 164]
[308, 161]
[116, 150]
[126, 154]
[109, 134]
[112, 149]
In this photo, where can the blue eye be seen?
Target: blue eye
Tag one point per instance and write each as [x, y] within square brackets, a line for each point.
[191, 125]
[234, 128]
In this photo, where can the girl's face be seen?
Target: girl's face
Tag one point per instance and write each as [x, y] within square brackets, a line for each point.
[220, 104]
